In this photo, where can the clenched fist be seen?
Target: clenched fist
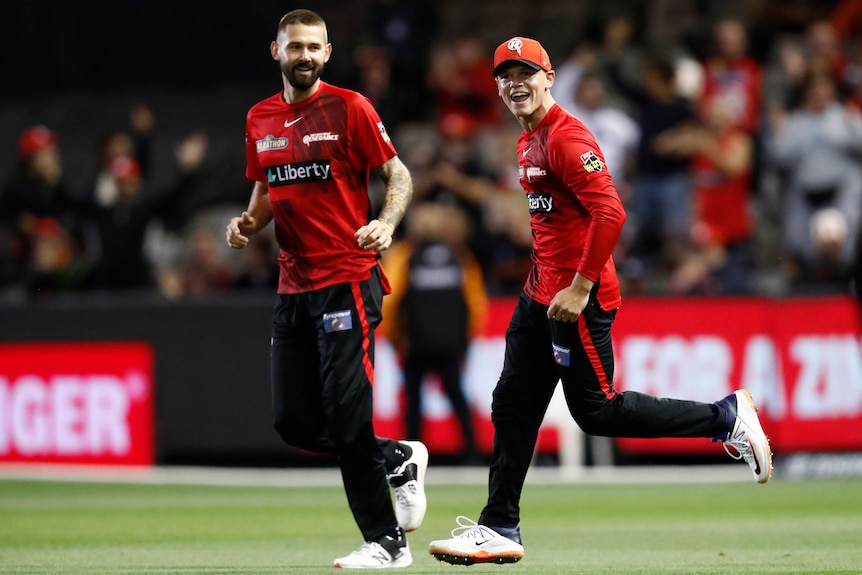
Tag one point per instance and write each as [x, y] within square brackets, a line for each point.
[239, 229]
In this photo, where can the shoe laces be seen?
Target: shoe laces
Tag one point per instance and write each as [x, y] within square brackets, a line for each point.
[741, 449]
[467, 528]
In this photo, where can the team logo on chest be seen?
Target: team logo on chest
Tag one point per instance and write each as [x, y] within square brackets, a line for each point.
[270, 142]
[534, 172]
[319, 137]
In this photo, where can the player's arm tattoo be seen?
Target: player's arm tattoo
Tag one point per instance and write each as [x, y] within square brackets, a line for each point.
[399, 190]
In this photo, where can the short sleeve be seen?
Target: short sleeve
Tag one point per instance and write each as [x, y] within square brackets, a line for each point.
[371, 145]
[253, 169]
[579, 162]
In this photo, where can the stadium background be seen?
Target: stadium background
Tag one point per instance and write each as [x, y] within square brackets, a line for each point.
[80, 66]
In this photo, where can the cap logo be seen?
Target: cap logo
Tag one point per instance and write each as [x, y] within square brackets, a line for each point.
[515, 45]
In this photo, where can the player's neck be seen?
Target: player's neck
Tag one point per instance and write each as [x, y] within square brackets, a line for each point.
[532, 121]
[293, 95]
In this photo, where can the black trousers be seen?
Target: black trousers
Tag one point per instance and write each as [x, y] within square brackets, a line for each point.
[448, 366]
[322, 361]
[539, 353]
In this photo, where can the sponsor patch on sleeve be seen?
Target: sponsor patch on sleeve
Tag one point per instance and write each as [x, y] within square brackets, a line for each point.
[337, 321]
[562, 355]
[591, 161]
[383, 132]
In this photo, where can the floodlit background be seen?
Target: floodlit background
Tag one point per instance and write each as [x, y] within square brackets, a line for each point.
[755, 288]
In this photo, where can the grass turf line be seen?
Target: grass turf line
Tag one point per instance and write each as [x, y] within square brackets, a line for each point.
[710, 529]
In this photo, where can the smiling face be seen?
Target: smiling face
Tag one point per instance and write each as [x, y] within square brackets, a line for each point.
[526, 92]
[301, 51]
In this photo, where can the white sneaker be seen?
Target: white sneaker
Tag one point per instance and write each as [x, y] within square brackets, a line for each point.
[372, 555]
[747, 438]
[408, 480]
[473, 543]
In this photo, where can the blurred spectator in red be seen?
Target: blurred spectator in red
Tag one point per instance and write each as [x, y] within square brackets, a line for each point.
[58, 262]
[142, 228]
[437, 306]
[717, 258]
[818, 149]
[732, 75]
[459, 175]
[847, 18]
[123, 221]
[373, 79]
[133, 143]
[36, 190]
[459, 78]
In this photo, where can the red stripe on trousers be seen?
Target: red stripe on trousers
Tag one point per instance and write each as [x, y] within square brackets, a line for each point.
[595, 360]
[366, 330]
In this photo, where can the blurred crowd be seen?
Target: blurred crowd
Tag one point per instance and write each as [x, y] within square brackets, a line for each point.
[741, 173]
[119, 233]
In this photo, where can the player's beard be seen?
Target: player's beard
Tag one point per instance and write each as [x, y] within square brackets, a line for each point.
[301, 83]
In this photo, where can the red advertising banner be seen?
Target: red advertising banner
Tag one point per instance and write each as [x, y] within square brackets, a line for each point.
[801, 359]
[82, 403]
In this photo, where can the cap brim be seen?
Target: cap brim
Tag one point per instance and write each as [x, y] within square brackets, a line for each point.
[510, 61]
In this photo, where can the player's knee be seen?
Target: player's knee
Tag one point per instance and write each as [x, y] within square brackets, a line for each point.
[592, 425]
[510, 394]
[595, 419]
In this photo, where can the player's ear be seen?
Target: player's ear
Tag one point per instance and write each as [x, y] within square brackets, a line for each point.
[328, 52]
[273, 49]
[549, 78]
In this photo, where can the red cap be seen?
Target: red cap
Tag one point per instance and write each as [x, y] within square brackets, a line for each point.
[34, 140]
[524, 50]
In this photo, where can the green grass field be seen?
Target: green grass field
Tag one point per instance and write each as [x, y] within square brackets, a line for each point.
[91, 528]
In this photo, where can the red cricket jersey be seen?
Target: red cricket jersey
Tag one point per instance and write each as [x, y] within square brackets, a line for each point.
[316, 157]
[721, 202]
[575, 212]
[739, 83]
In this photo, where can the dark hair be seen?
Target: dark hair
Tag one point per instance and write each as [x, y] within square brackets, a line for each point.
[305, 17]
[662, 64]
